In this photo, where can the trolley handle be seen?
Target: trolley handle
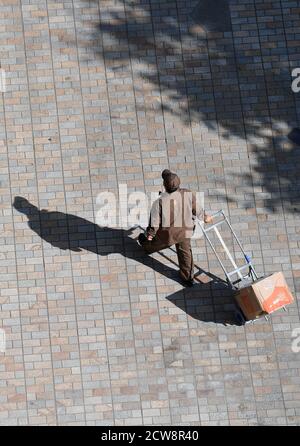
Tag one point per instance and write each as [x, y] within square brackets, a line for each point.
[218, 214]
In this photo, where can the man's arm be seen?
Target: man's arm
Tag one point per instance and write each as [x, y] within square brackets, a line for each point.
[154, 220]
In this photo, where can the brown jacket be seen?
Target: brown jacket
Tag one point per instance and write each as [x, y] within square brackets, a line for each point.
[172, 216]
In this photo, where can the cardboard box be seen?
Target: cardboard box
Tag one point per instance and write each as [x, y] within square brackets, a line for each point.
[264, 296]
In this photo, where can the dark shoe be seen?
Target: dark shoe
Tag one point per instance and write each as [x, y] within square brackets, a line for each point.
[141, 239]
[189, 282]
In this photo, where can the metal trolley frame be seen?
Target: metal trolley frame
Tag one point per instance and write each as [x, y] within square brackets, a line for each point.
[246, 272]
[238, 270]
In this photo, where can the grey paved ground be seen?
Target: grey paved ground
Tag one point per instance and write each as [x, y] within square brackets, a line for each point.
[107, 92]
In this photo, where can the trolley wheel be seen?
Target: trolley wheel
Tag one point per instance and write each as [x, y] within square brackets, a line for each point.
[240, 318]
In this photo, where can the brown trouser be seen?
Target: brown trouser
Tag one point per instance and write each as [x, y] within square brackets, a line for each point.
[184, 254]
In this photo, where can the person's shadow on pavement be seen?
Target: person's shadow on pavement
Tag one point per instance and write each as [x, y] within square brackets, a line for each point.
[70, 232]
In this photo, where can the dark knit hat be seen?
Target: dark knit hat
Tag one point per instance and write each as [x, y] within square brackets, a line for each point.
[171, 180]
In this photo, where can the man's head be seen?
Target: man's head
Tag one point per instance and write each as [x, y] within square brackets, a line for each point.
[171, 181]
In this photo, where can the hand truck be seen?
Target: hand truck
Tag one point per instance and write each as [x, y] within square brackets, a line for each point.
[245, 273]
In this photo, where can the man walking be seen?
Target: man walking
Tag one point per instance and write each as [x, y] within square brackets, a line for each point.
[172, 223]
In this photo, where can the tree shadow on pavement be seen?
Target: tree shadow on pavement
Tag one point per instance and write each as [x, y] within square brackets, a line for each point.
[70, 232]
[194, 53]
